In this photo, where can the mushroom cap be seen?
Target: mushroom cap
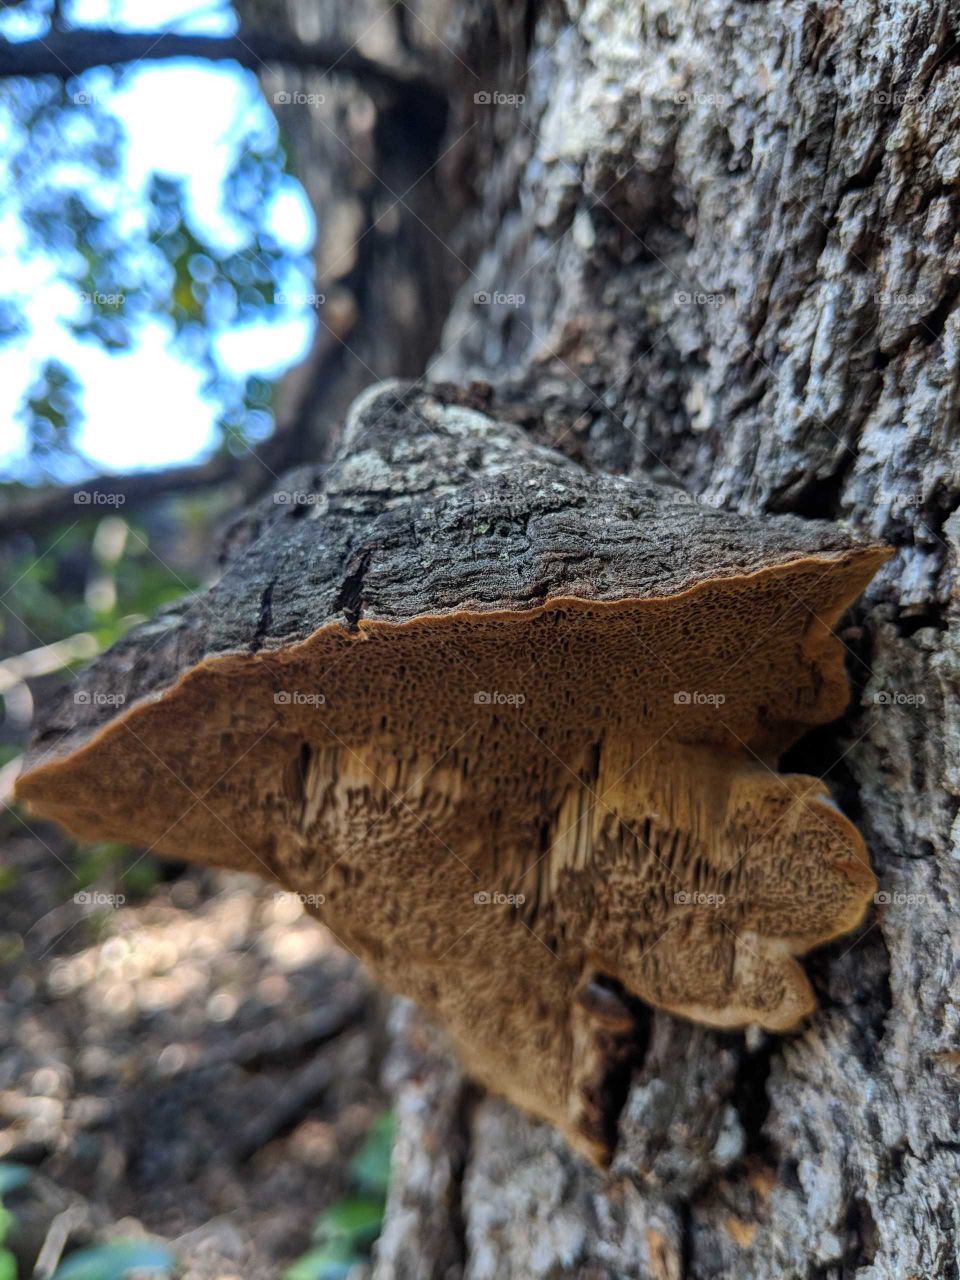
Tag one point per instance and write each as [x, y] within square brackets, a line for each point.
[417, 542]
[454, 663]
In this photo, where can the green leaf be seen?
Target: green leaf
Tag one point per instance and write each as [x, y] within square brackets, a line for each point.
[97, 859]
[8, 1265]
[331, 1262]
[115, 1261]
[355, 1221]
[142, 877]
[370, 1167]
[7, 1219]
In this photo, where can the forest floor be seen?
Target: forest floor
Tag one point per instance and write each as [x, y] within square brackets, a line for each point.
[196, 1064]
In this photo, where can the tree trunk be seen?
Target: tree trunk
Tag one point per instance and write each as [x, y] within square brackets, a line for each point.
[733, 228]
[711, 243]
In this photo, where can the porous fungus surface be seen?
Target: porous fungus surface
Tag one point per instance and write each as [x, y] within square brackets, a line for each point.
[506, 726]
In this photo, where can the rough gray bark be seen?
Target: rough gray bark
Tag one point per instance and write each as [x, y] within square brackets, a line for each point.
[430, 507]
[795, 166]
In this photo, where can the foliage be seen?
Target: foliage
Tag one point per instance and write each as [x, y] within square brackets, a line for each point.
[117, 1260]
[344, 1234]
[116, 255]
[370, 1168]
[92, 581]
[71, 583]
[52, 413]
[132, 873]
[11, 1177]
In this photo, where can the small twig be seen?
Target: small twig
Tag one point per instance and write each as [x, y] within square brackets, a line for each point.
[308, 1085]
[65, 54]
[47, 659]
[58, 1233]
[255, 1049]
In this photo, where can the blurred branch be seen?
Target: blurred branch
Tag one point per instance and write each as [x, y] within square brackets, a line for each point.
[65, 54]
[31, 510]
[47, 659]
[8, 776]
[64, 1225]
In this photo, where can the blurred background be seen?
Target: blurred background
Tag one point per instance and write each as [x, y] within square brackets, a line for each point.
[208, 245]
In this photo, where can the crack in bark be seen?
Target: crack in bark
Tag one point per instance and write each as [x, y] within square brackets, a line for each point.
[349, 602]
[265, 619]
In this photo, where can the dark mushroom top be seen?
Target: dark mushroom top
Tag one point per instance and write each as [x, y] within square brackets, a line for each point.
[432, 509]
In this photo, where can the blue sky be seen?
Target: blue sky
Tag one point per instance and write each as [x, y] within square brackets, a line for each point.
[144, 407]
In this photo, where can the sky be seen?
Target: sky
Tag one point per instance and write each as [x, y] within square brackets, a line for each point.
[144, 407]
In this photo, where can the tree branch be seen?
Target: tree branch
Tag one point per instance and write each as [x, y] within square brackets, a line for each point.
[26, 510]
[68, 53]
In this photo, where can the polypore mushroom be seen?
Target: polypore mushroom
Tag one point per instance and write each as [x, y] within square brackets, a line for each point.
[511, 729]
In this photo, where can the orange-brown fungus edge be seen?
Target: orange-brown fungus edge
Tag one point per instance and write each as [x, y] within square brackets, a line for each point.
[647, 840]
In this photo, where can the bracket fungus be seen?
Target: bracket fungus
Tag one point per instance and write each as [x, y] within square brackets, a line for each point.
[510, 728]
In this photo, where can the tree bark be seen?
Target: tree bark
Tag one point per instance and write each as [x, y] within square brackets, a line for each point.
[734, 227]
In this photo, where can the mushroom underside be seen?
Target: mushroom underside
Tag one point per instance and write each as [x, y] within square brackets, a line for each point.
[491, 808]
